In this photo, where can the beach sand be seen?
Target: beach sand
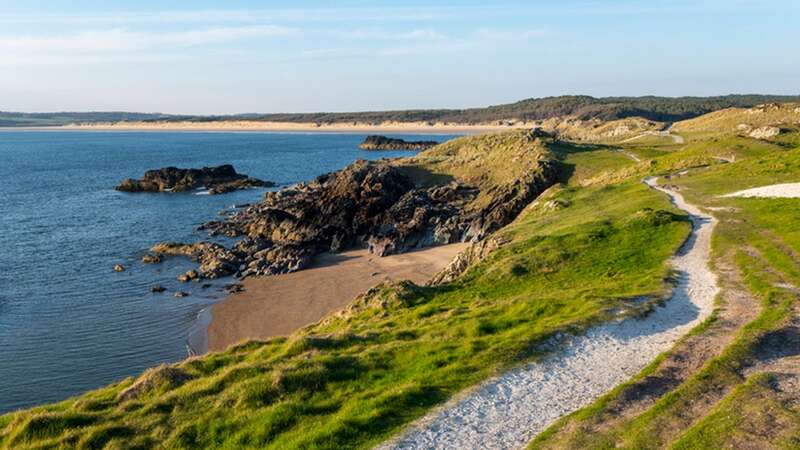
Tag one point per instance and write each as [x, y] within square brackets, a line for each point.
[348, 127]
[279, 305]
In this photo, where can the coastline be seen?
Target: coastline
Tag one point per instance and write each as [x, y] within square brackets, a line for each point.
[258, 126]
[281, 304]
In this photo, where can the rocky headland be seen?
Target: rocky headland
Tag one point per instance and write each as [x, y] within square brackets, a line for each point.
[375, 142]
[218, 180]
[388, 207]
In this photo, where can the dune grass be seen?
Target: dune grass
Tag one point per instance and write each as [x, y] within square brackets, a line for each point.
[573, 258]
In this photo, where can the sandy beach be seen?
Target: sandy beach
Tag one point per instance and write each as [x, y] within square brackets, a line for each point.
[345, 127]
[279, 305]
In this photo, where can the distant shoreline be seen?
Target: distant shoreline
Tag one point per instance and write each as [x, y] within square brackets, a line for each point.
[258, 126]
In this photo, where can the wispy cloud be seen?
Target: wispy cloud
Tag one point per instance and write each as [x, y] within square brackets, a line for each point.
[491, 34]
[123, 45]
[380, 33]
[121, 39]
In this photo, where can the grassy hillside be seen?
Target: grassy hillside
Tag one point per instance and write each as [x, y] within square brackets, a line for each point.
[733, 383]
[743, 120]
[574, 257]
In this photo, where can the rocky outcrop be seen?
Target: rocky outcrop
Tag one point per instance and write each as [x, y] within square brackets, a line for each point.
[218, 180]
[764, 132]
[368, 204]
[215, 260]
[385, 206]
[385, 143]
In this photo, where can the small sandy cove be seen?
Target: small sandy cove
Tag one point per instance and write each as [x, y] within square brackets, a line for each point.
[279, 305]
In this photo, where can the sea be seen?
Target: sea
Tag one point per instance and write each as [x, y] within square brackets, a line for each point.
[68, 322]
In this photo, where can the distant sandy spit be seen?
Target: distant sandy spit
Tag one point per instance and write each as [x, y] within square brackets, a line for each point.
[279, 305]
[344, 127]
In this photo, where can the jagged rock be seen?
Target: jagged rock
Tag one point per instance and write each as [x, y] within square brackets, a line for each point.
[385, 143]
[151, 259]
[215, 260]
[188, 276]
[218, 180]
[181, 294]
[370, 204]
[157, 289]
[119, 268]
[765, 132]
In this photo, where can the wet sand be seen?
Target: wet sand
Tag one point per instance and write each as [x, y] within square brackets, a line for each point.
[279, 305]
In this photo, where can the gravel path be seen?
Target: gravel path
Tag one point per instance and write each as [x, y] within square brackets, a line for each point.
[787, 190]
[508, 411]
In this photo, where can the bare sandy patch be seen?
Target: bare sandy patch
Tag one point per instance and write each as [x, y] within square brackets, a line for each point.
[785, 190]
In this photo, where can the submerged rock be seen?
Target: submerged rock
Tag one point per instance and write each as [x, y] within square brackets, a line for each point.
[181, 294]
[188, 276]
[151, 259]
[234, 288]
[218, 180]
[385, 143]
[157, 289]
[119, 268]
[215, 260]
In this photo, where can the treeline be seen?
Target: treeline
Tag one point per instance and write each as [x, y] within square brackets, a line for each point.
[665, 109]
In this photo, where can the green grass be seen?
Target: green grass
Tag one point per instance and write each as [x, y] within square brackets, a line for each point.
[753, 408]
[763, 236]
[355, 379]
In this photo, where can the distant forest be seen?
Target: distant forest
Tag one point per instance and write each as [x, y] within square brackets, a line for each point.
[665, 109]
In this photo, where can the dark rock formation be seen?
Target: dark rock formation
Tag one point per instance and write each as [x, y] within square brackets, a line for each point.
[215, 260]
[369, 204]
[157, 289]
[218, 180]
[190, 275]
[385, 143]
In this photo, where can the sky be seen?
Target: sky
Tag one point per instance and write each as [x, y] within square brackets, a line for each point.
[238, 56]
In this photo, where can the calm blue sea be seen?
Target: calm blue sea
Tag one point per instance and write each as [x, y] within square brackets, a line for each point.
[68, 322]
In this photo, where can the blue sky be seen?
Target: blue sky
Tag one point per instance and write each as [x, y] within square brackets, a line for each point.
[277, 56]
